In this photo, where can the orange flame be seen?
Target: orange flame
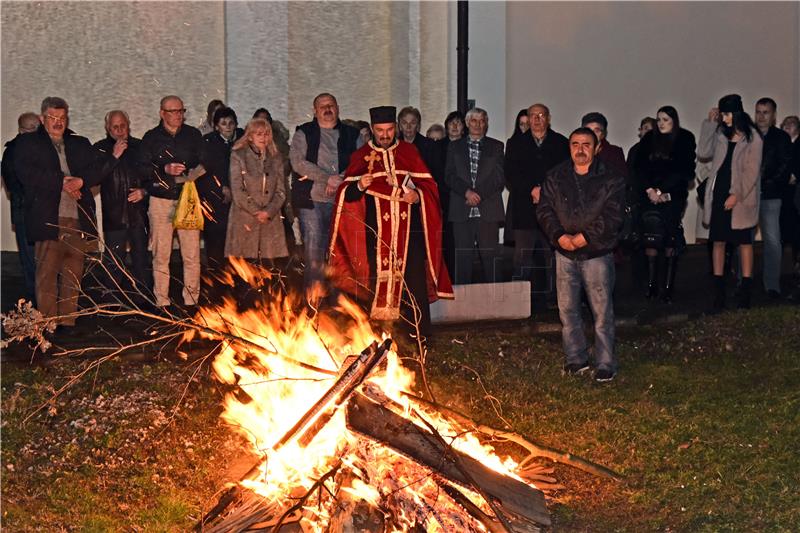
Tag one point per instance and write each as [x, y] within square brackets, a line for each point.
[272, 394]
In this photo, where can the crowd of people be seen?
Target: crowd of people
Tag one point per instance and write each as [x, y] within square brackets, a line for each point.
[391, 216]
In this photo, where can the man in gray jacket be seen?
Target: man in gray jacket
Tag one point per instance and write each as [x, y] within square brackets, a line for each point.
[474, 174]
[319, 154]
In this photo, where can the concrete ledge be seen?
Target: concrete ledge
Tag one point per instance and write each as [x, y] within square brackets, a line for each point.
[484, 301]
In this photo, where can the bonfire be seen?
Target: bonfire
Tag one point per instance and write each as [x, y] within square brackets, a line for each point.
[346, 441]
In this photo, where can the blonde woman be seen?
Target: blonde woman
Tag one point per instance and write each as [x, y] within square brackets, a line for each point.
[255, 226]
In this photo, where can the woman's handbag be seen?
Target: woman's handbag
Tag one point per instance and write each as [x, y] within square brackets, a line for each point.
[630, 235]
[188, 212]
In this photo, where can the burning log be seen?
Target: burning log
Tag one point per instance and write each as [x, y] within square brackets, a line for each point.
[535, 449]
[379, 423]
[356, 370]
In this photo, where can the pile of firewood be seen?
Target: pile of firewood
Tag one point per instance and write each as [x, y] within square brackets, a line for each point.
[425, 483]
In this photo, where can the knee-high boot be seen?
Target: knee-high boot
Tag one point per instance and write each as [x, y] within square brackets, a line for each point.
[743, 299]
[719, 293]
[652, 277]
[669, 280]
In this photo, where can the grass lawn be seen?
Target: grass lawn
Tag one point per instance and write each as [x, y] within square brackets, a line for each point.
[703, 421]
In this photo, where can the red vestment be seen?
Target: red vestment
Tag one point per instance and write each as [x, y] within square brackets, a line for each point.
[393, 168]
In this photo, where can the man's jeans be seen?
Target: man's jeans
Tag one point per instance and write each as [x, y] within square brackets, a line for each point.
[769, 221]
[597, 277]
[315, 227]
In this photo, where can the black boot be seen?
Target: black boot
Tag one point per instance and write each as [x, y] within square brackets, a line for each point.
[652, 277]
[719, 293]
[743, 299]
[669, 281]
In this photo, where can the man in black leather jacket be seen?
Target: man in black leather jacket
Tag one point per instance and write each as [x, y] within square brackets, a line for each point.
[124, 204]
[57, 168]
[581, 213]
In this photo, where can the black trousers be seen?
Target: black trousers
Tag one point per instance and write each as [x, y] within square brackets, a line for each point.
[214, 233]
[116, 244]
[468, 234]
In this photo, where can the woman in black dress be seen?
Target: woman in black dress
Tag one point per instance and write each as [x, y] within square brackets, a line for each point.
[664, 167]
[521, 127]
[733, 191]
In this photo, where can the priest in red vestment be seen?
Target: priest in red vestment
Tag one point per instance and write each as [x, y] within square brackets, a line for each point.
[386, 233]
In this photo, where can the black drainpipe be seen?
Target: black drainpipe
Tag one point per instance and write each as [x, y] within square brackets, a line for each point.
[462, 50]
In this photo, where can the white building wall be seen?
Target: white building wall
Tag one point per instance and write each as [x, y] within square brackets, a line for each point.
[622, 58]
[626, 59]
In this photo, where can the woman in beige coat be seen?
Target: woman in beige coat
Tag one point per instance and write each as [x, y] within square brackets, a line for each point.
[729, 138]
[255, 226]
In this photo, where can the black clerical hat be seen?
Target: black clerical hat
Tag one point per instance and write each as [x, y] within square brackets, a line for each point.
[383, 114]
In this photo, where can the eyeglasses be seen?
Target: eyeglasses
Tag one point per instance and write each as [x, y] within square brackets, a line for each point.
[173, 111]
[540, 116]
[57, 119]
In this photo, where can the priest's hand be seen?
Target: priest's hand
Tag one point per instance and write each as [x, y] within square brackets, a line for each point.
[411, 196]
[365, 181]
[473, 198]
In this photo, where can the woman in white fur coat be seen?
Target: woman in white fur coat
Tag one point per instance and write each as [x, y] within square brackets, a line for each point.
[731, 140]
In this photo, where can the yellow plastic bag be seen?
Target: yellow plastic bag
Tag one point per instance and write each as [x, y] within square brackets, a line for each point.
[188, 212]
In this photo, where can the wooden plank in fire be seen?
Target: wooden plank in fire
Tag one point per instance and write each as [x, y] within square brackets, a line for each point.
[378, 423]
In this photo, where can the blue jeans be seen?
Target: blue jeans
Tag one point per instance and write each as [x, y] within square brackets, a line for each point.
[315, 226]
[596, 276]
[769, 220]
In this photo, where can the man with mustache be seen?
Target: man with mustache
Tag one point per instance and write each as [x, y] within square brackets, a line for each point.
[581, 213]
[386, 240]
[319, 154]
[57, 168]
